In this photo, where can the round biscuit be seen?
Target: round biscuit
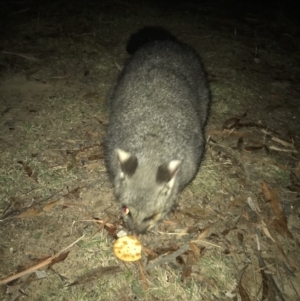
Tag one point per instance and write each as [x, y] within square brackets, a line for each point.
[128, 248]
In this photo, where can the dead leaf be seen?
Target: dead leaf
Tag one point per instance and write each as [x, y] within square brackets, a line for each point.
[90, 152]
[95, 274]
[71, 162]
[271, 287]
[240, 237]
[6, 111]
[170, 223]
[50, 205]
[39, 265]
[124, 297]
[66, 204]
[16, 291]
[92, 165]
[226, 231]
[192, 230]
[30, 212]
[231, 123]
[205, 233]
[10, 124]
[227, 251]
[75, 192]
[254, 147]
[295, 182]
[251, 124]
[90, 95]
[196, 251]
[193, 212]
[180, 260]
[166, 250]
[280, 248]
[151, 254]
[206, 281]
[143, 277]
[59, 258]
[280, 225]
[106, 220]
[167, 258]
[28, 171]
[297, 170]
[266, 231]
[265, 284]
[280, 221]
[187, 266]
[96, 157]
[29, 270]
[240, 143]
[111, 230]
[243, 293]
[26, 168]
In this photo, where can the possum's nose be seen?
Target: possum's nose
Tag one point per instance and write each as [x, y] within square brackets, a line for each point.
[136, 228]
[137, 231]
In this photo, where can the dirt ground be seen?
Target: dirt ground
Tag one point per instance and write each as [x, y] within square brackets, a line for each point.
[235, 232]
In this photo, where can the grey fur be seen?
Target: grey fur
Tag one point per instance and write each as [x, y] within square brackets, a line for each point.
[155, 139]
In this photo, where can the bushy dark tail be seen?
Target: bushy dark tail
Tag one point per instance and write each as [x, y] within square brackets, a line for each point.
[146, 35]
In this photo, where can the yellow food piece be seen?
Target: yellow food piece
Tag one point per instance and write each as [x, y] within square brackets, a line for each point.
[128, 248]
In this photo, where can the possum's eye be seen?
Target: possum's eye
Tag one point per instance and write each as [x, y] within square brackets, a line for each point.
[125, 210]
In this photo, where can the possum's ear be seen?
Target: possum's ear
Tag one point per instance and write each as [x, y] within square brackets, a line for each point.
[128, 162]
[166, 172]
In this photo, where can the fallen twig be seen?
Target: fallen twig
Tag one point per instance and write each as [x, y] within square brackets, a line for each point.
[39, 265]
[279, 149]
[167, 258]
[25, 56]
[269, 277]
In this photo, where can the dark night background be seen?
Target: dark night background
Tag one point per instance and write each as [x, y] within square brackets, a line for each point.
[239, 217]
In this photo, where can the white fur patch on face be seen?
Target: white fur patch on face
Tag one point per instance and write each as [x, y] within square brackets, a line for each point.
[174, 166]
[170, 185]
[122, 155]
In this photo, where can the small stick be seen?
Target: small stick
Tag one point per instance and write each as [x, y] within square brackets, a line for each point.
[25, 56]
[283, 150]
[167, 258]
[39, 265]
